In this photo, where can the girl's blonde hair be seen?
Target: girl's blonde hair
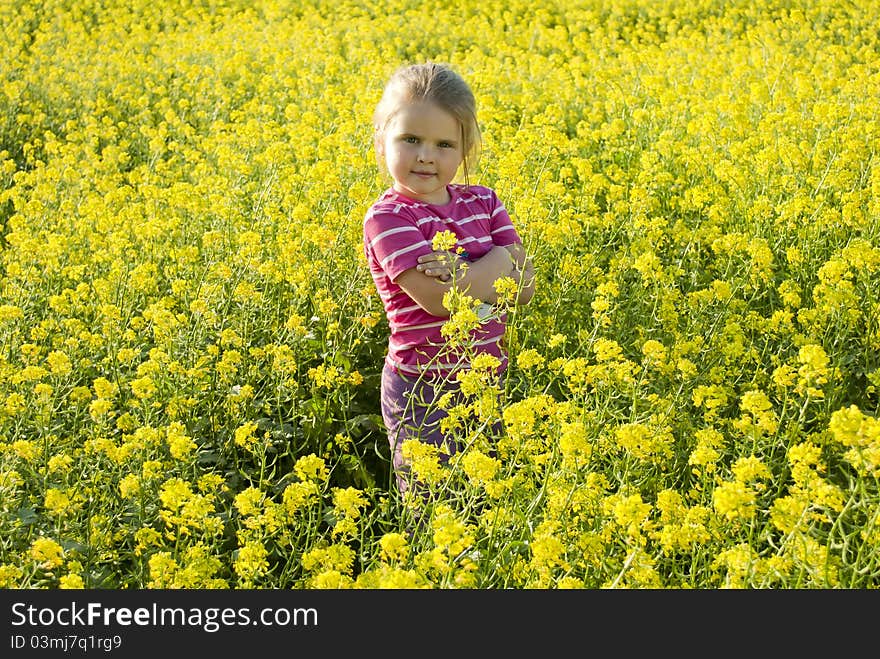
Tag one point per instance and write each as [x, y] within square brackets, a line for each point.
[435, 83]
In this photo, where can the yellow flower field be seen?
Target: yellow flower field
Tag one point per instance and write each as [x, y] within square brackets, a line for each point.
[191, 343]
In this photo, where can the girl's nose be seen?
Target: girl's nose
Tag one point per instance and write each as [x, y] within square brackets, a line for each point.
[424, 154]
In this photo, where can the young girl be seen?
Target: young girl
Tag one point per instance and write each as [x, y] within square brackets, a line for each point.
[425, 132]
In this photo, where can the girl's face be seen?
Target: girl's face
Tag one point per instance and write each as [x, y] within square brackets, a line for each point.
[422, 150]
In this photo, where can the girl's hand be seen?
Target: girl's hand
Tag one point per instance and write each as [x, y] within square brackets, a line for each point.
[439, 264]
[517, 254]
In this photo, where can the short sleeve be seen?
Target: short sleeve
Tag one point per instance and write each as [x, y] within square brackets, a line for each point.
[394, 240]
[500, 224]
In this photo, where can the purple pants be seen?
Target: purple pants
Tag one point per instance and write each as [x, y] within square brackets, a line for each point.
[410, 411]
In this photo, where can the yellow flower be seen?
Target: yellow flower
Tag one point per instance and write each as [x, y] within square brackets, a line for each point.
[860, 434]
[59, 363]
[739, 561]
[311, 468]
[813, 371]
[463, 318]
[733, 500]
[146, 537]
[758, 413]
[245, 436]
[60, 463]
[337, 557]
[750, 468]
[71, 581]
[251, 563]
[99, 408]
[43, 391]
[325, 376]
[151, 469]
[144, 387]
[507, 289]
[10, 312]
[25, 449]
[80, 394]
[644, 441]
[249, 502]
[424, 459]
[783, 376]
[129, 486]
[126, 356]
[547, 549]
[394, 547]
[104, 388]
[9, 576]
[654, 351]
[298, 495]
[386, 577]
[706, 452]
[331, 580]
[788, 512]
[349, 501]
[630, 513]
[47, 552]
[444, 241]
[479, 467]
[607, 350]
[449, 532]
[529, 358]
[574, 445]
[56, 501]
[30, 374]
[162, 570]
[179, 443]
[14, 404]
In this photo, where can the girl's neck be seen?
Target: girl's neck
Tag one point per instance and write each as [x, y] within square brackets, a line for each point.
[440, 204]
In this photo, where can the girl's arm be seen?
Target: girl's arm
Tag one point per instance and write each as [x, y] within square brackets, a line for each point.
[477, 281]
[524, 273]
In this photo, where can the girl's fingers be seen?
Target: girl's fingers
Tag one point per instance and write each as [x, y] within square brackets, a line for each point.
[433, 266]
[437, 264]
[438, 272]
[444, 258]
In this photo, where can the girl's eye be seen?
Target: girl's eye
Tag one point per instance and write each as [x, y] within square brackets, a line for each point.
[410, 140]
[445, 145]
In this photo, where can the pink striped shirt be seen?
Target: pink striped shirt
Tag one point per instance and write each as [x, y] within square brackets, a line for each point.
[397, 231]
